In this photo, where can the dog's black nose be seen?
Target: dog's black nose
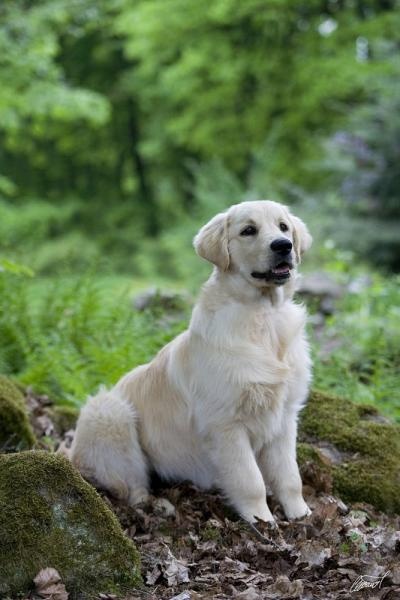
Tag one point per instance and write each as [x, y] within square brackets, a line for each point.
[282, 246]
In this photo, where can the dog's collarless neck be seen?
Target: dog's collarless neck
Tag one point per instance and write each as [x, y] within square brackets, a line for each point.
[230, 288]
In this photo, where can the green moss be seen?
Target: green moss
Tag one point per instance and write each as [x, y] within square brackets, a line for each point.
[15, 430]
[50, 517]
[367, 410]
[11, 391]
[64, 417]
[211, 533]
[306, 452]
[369, 469]
[345, 548]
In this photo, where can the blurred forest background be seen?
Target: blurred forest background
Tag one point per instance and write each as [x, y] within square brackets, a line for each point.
[126, 124]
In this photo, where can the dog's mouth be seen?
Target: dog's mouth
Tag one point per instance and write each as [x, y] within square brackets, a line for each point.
[278, 274]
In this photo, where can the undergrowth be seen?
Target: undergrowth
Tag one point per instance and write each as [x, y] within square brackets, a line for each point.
[64, 337]
[358, 354]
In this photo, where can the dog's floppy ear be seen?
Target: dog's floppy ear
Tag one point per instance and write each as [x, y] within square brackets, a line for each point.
[302, 239]
[211, 242]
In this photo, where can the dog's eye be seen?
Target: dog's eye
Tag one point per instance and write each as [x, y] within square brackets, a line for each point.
[283, 227]
[250, 230]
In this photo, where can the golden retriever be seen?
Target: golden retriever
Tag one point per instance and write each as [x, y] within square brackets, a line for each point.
[218, 405]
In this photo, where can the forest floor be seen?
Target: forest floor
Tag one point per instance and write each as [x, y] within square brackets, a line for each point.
[193, 546]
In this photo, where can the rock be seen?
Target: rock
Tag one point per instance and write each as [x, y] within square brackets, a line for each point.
[349, 445]
[359, 284]
[15, 430]
[320, 285]
[156, 299]
[51, 518]
[330, 453]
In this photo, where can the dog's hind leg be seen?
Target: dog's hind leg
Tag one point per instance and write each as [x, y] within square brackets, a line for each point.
[106, 447]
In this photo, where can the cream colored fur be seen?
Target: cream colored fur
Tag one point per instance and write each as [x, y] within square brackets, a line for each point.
[219, 404]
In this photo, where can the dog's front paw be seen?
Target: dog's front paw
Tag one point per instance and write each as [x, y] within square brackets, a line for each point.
[138, 496]
[305, 514]
[258, 513]
[297, 510]
[271, 524]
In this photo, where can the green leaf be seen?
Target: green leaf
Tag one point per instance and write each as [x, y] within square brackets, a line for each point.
[15, 268]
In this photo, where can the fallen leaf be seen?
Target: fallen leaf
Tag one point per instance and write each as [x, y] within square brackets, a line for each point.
[152, 576]
[49, 585]
[249, 594]
[182, 596]
[313, 553]
[394, 574]
[284, 588]
[175, 570]
[165, 507]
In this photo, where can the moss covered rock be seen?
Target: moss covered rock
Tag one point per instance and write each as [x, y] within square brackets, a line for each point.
[355, 446]
[63, 417]
[15, 430]
[50, 517]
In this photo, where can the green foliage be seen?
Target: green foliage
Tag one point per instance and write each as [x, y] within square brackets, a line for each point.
[66, 337]
[12, 267]
[34, 234]
[54, 238]
[112, 101]
[370, 154]
[218, 80]
[41, 111]
[358, 354]
[363, 160]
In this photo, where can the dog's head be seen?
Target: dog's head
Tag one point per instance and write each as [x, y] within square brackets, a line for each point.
[261, 240]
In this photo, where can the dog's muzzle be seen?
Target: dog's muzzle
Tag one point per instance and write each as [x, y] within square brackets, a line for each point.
[283, 262]
[278, 274]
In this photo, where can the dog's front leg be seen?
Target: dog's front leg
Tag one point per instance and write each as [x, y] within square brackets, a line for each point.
[279, 466]
[239, 475]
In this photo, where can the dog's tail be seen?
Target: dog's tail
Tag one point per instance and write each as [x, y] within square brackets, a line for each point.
[106, 447]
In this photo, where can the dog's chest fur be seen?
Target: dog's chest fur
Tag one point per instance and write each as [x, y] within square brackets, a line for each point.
[275, 336]
[248, 366]
[268, 336]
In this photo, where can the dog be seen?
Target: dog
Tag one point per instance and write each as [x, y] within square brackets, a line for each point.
[218, 405]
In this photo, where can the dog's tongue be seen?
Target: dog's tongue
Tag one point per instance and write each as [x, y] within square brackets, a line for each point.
[281, 269]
